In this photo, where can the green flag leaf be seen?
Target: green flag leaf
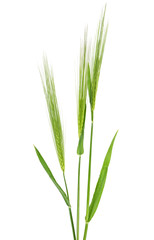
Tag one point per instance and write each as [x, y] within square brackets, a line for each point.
[47, 169]
[100, 183]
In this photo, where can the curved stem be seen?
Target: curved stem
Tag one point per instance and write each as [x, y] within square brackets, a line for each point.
[89, 178]
[78, 200]
[70, 211]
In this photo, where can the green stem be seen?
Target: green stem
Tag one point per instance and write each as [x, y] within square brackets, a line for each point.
[85, 231]
[89, 171]
[70, 211]
[78, 200]
[89, 178]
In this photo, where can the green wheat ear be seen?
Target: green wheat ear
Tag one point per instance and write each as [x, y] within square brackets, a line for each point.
[82, 88]
[94, 70]
[82, 93]
[54, 115]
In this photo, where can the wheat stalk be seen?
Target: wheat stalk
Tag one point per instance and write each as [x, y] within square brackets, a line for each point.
[93, 73]
[89, 72]
[81, 113]
[57, 131]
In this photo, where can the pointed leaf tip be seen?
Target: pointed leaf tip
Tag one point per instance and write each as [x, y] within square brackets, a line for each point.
[48, 171]
[101, 182]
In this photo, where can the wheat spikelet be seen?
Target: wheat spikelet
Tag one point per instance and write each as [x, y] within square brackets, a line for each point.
[82, 88]
[97, 59]
[54, 115]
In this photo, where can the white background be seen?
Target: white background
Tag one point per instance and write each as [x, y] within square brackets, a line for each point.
[30, 205]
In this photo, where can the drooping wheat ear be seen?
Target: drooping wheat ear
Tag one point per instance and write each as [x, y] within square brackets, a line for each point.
[97, 59]
[82, 88]
[54, 115]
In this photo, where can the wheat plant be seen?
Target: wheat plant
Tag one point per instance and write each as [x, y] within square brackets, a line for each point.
[89, 72]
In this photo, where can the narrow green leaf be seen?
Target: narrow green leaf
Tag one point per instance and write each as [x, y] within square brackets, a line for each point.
[46, 168]
[80, 148]
[100, 183]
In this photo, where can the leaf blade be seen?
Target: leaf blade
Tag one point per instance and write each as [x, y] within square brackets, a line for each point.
[101, 182]
[48, 171]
